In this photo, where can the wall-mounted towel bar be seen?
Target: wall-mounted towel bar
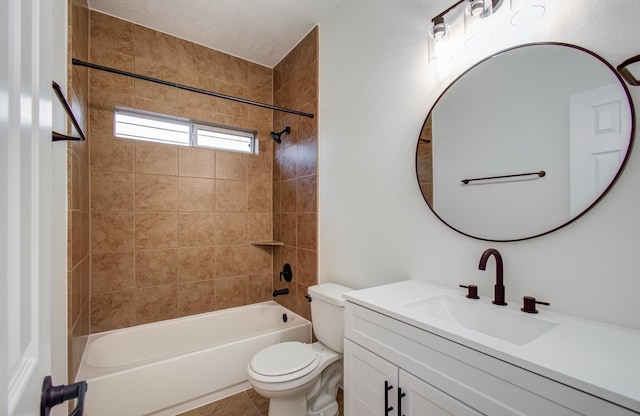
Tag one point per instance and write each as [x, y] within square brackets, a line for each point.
[55, 136]
[626, 74]
[188, 88]
[539, 174]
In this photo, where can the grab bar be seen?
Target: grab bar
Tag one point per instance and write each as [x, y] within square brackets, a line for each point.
[540, 174]
[55, 136]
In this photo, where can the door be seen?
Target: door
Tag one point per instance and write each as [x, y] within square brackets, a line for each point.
[365, 375]
[25, 203]
[421, 398]
[600, 124]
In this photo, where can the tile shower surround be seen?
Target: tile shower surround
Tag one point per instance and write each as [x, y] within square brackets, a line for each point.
[78, 262]
[170, 225]
[295, 85]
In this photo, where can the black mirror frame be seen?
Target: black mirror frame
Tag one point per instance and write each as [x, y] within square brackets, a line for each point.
[602, 195]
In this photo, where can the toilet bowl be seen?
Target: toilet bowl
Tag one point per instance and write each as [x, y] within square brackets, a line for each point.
[302, 379]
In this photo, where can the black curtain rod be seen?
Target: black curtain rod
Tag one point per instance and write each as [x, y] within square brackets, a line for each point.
[188, 88]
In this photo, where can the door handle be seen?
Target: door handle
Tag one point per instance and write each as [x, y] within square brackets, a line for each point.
[54, 395]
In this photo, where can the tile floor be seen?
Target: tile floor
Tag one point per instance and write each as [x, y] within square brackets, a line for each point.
[246, 403]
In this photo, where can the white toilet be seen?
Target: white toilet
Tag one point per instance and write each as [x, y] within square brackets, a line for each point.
[302, 379]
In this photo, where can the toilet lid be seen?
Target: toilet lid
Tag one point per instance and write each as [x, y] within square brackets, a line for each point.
[284, 358]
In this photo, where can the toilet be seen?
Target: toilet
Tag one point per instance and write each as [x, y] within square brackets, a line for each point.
[302, 379]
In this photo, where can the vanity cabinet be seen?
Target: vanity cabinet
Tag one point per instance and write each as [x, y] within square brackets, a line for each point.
[375, 386]
[442, 377]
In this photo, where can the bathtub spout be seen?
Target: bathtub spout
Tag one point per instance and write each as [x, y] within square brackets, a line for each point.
[278, 292]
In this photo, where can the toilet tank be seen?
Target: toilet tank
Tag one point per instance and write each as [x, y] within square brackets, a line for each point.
[327, 314]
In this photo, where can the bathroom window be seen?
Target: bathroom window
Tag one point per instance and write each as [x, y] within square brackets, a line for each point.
[147, 127]
[224, 139]
[159, 128]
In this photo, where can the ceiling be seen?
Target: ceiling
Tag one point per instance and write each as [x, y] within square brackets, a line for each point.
[260, 31]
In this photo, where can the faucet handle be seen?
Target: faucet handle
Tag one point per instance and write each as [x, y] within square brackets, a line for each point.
[472, 291]
[530, 304]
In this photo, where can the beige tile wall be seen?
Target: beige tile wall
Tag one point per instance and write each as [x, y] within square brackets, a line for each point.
[78, 190]
[171, 226]
[295, 84]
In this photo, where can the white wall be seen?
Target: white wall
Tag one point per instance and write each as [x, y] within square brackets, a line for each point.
[376, 88]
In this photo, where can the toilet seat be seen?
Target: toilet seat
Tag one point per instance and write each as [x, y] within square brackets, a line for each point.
[284, 361]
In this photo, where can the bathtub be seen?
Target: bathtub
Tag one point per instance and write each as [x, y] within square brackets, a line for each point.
[168, 367]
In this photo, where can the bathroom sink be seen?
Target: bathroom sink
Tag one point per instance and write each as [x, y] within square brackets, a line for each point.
[496, 321]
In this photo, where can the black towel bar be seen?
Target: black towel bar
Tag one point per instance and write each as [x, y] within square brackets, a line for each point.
[540, 174]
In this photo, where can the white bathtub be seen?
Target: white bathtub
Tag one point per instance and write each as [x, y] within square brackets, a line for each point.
[168, 367]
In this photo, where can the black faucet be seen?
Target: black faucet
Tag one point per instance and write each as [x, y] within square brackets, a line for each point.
[499, 287]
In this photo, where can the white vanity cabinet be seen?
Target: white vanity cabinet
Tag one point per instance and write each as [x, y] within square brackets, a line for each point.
[375, 387]
[370, 382]
[442, 377]
[423, 399]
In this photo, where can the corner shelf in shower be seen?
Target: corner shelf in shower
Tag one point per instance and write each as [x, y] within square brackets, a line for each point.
[267, 243]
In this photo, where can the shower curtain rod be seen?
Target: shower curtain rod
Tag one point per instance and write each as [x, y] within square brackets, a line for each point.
[188, 88]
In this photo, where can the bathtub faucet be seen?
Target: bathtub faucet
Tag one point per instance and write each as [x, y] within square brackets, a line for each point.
[279, 292]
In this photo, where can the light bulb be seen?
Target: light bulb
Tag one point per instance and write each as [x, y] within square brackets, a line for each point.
[477, 28]
[439, 43]
[439, 28]
[476, 7]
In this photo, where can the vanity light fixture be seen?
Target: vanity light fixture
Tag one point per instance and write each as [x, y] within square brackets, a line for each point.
[476, 29]
[477, 24]
[476, 8]
[439, 27]
[439, 42]
[526, 12]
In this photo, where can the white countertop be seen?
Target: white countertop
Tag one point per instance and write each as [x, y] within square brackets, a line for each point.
[600, 359]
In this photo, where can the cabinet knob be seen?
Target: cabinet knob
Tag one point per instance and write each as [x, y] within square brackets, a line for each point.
[529, 304]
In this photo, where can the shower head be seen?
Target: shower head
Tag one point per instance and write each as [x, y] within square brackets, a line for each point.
[276, 136]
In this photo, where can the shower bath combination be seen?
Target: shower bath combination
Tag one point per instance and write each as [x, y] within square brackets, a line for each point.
[224, 340]
[276, 136]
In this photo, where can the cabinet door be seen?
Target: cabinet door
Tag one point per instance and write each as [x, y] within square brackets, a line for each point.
[365, 375]
[421, 398]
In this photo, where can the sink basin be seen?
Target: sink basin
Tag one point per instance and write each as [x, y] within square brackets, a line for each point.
[508, 325]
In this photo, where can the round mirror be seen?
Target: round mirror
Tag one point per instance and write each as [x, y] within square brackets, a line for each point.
[525, 142]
